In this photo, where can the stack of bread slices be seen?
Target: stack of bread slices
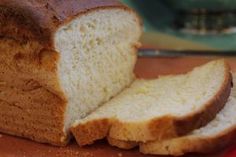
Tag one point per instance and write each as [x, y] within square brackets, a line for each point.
[170, 115]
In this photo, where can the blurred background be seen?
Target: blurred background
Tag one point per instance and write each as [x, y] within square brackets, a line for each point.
[188, 24]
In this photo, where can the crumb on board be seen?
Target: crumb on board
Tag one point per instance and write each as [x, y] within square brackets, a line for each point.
[0, 135]
[71, 153]
[2, 83]
[120, 154]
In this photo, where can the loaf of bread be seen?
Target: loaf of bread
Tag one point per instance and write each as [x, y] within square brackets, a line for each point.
[60, 60]
[218, 134]
[159, 109]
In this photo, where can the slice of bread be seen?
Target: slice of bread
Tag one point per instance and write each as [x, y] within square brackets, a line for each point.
[217, 134]
[129, 144]
[159, 109]
[60, 60]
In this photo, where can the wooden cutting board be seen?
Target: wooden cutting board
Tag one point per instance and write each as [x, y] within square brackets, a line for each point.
[146, 68]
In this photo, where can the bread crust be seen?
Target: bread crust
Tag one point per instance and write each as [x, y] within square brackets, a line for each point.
[164, 127]
[27, 39]
[40, 19]
[122, 144]
[28, 94]
[187, 144]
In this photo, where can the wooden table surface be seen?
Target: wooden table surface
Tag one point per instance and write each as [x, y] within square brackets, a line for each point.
[146, 68]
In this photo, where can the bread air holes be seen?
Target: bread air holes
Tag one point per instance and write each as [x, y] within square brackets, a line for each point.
[82, 29]
[88, 26]
[99, 41]
[92, 24]
[95, 42]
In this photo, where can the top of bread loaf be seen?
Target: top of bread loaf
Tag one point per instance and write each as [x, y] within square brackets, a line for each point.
[39, 19]
[42, 21]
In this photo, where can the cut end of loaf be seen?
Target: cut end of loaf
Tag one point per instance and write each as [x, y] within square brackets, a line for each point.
[140, 116]
[98, 54]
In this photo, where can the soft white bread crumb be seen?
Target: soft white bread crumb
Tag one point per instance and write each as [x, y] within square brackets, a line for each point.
[156, 109]
[98, 54]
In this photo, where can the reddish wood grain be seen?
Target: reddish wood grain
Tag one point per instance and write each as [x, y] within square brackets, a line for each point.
[146, 68]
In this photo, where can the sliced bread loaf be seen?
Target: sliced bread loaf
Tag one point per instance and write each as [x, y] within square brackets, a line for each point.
[159, 109]
[217, 134]
[60, 60]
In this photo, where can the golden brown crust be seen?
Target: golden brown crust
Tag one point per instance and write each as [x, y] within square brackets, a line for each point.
[28, 105]
[39, 19]
[85, 133]
[121, 144]
[190, 144]
[29, 110]
[165, 127]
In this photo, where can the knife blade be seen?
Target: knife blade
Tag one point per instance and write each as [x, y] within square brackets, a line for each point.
[183, 53]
